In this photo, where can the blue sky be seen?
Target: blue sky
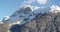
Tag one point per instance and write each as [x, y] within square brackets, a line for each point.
[8, 7]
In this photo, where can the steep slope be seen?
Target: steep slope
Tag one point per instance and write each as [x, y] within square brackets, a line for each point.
[23, 12]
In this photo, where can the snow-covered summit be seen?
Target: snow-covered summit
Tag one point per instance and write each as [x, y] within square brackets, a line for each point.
[55, 9]
[23, 12]
[26, 11]
[31, 7]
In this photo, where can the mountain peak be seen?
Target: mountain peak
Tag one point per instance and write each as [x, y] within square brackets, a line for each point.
[28, 10]
[31, 7]
[55, 9]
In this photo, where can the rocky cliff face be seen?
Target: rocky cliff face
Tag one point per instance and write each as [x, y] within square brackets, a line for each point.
[45, 23]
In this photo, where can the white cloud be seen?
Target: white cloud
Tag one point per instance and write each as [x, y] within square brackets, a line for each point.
[29, 1]
[42, 1]
[38, 1]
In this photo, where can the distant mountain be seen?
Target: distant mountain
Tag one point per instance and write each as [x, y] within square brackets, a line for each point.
[23, 12]
[55, 9]
[26, 10]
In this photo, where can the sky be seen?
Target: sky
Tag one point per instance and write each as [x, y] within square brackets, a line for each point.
[8, 7]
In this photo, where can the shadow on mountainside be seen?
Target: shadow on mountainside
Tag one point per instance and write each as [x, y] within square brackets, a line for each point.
[15, 28]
